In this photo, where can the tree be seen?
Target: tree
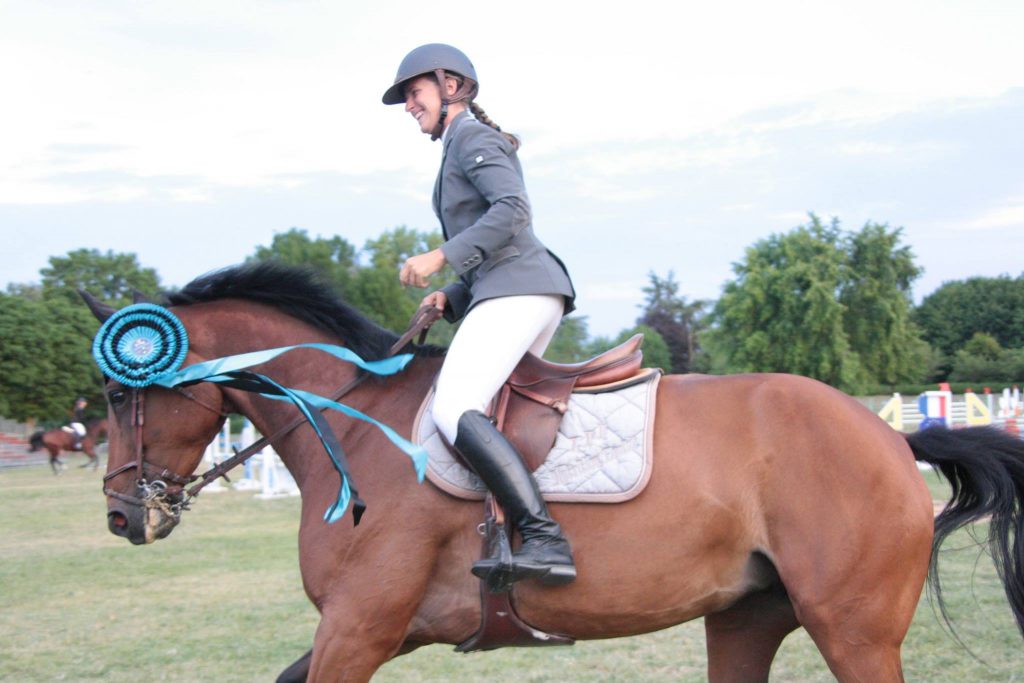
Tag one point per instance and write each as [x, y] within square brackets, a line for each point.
[569, 343]
[655, 350]
[367, 279]
[782, 314]
[47, 331]
[333, 257]
[45, 359]
[676, 320]
[878, 309]
[984, 346]
[954, 312]
[823, 303]
[376, 289]
[111, 277]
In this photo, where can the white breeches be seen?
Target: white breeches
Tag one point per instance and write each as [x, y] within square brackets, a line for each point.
[493, 338]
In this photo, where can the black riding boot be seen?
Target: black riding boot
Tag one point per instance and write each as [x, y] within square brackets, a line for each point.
[545, 553]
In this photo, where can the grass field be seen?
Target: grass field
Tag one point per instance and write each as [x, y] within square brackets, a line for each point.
[221, 600]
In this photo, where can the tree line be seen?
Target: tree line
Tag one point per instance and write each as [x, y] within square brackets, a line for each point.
[818, 301]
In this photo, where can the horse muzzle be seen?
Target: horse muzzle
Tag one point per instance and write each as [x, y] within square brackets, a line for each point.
[143, 520]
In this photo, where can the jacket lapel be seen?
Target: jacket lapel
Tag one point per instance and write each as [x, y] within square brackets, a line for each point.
[449, 136]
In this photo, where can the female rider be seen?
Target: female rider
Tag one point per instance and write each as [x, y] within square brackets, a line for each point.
[511, 292]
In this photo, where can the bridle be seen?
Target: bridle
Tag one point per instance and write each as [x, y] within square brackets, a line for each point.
[161, 488]
[150, 480]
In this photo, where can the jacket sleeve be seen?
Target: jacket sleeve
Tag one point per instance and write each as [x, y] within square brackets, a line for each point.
[458, 299]
[483, 155]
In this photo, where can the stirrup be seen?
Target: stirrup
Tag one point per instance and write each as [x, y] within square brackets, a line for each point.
[500, 575]
[501, 570]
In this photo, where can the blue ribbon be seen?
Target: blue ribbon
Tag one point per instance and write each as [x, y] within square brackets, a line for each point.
[203, 371]
[227, 371]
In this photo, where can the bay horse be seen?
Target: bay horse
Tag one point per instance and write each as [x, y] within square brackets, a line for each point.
[776, 502]
[57, 440]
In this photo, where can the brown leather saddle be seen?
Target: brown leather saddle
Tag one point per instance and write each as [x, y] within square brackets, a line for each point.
[530, 406]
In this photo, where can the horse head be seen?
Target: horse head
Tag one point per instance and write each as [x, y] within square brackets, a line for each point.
[156, 439]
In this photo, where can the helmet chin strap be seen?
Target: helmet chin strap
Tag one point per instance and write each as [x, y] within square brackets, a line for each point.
[439, 128]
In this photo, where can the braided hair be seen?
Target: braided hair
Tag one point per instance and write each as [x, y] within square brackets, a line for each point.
[466, 91]
[482, 117]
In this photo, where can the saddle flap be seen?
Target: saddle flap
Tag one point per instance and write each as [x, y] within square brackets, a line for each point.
[536, 396]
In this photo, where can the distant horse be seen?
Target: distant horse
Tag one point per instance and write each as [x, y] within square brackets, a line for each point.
[776, 502]
[57, 440]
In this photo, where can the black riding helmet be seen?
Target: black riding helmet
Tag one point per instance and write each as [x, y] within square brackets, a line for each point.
[434, 58]
[427, 59]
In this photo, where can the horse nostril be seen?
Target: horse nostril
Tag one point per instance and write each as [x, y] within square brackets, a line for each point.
[118, 523]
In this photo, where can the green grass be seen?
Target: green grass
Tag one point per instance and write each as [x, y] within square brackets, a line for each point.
[221, 600]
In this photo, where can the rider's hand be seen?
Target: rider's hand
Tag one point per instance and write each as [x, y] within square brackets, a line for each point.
[435, 299]
[418, 268]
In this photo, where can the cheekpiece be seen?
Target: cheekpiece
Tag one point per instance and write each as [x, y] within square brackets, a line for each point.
[139, 343]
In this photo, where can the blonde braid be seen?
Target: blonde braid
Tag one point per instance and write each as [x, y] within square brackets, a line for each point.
[482, 117]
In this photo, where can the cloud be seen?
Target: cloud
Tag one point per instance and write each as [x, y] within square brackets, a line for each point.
[1010, 216]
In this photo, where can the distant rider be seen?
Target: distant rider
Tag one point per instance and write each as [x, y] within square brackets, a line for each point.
[78, 421]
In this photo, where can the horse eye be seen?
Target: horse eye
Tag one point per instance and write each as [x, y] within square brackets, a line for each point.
[116, 397]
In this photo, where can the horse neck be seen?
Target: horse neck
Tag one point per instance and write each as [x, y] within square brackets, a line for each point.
[375, 463]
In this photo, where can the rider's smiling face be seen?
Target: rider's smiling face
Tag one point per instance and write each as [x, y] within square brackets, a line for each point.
[423, 101]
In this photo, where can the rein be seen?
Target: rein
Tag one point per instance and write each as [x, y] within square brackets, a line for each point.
[157, 493]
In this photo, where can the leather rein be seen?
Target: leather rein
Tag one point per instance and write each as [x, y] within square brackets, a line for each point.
[173, 499]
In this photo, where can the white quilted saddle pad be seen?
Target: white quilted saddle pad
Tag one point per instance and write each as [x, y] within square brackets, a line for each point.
[602, 453]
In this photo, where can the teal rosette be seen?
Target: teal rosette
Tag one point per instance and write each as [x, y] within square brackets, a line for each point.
[139, 343]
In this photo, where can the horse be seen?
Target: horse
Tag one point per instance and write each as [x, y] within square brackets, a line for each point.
[810, 512]
[57, 440]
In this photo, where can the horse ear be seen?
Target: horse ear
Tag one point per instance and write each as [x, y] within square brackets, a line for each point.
[98, 308]
[140, 298]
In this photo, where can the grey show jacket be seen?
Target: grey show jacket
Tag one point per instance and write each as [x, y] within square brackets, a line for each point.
[481, 201]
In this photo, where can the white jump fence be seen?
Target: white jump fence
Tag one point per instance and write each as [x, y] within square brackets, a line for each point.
[1005, 410]
[263, 473]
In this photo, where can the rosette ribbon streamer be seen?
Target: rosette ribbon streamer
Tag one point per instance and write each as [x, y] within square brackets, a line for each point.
[145, 344]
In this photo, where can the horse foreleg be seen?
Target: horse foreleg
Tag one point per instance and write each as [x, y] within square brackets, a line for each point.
[743, 639]
[350, 648]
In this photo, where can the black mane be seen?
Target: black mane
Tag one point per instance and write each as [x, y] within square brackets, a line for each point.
[300, 293]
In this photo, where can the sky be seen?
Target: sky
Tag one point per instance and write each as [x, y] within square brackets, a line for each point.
[657, 136]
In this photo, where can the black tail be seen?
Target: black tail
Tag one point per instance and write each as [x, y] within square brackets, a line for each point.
[985, 467]
[35, 441]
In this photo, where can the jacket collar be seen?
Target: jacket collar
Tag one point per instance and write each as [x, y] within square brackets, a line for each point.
[450, 131]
